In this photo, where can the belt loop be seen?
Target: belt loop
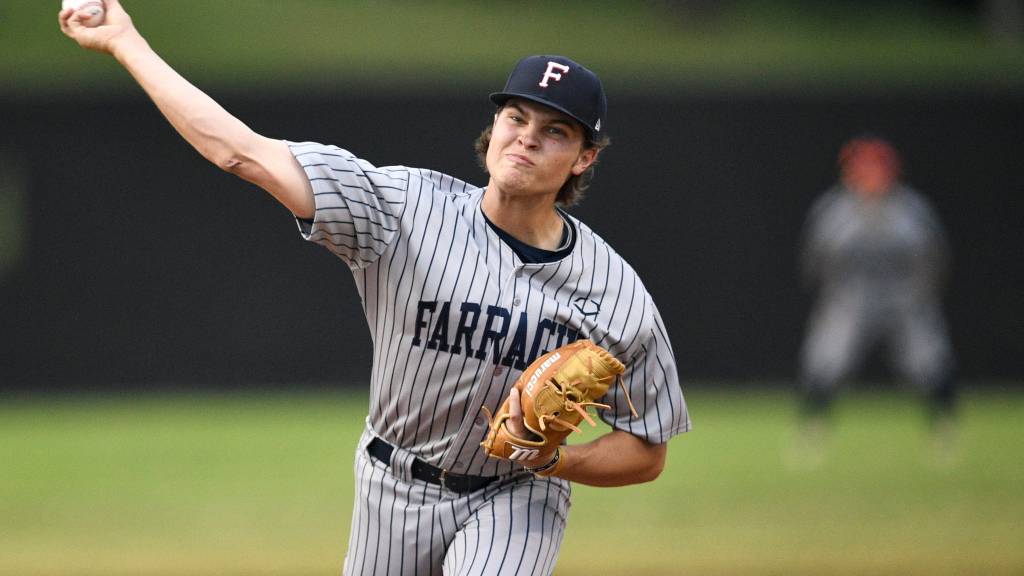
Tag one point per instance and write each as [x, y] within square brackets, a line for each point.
[401, 464]
[365, 438]
[443, 478]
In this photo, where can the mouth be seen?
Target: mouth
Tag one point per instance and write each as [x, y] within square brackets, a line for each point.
[519, 159]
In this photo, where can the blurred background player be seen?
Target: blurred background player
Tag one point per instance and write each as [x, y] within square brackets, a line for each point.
[876, 253]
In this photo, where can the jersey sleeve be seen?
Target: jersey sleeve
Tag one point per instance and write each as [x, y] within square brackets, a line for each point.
[653, 384]
[358, 206]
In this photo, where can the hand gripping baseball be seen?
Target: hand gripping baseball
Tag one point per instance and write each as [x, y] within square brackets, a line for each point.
[551, 399]
[116, 26]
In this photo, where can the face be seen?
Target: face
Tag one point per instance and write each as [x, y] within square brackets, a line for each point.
[868, 176]
[535, 149]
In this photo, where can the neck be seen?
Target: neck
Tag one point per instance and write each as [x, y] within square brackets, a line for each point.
[531, 219]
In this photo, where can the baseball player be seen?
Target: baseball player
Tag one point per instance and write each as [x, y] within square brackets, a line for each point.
[462, 287]
[876, 251]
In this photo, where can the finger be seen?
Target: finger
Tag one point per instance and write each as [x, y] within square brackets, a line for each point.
[515, 412]
[114, 6]
[62, 19]
[515, 408]
[75, 21]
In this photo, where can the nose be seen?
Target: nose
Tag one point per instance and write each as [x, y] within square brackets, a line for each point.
[528, 137]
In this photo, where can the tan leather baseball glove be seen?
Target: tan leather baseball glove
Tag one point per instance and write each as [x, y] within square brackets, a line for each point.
[554, 391]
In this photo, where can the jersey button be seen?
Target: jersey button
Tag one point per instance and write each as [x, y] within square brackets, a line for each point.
[499, 370]
[517, 302]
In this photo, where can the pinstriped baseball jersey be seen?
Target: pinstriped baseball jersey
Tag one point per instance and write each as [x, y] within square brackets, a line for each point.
[456, 316]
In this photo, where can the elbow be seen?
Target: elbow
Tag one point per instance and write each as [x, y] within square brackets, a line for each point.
[234, 154]
[230, 162]
[654, 465]
[653, 471]
[243, 166]
[228, 145]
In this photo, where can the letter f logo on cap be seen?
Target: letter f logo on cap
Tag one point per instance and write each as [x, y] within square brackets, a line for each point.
[551, 74]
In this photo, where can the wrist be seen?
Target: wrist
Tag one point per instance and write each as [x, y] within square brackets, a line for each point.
[551, 467]
[127, 44]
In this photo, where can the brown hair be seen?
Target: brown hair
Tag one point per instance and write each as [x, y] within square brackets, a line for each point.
[572, 191]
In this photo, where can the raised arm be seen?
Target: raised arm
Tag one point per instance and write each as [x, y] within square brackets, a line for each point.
[220, 137]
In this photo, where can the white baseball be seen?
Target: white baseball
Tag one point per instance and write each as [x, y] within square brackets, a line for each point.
[93, 10]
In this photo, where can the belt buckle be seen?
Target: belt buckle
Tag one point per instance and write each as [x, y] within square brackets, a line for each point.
[444, 478]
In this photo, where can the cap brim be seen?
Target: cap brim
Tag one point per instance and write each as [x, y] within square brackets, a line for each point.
[500, 98]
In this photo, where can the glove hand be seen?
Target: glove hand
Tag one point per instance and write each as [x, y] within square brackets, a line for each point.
[518, 429]
[548, 401]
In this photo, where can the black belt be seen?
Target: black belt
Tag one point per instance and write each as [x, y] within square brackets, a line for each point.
[460, 483]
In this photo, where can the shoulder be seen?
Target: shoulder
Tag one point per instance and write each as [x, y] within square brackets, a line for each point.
[912, 197]
[917, 205]
[834, 196]
[328, 161]
[622, 283]
[314, 155]
[591, 244]
[440, 183]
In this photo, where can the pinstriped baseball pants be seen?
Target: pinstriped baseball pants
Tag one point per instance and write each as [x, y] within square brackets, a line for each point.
[402, 526]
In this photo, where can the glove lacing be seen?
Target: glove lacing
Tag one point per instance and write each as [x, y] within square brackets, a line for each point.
[571, 394]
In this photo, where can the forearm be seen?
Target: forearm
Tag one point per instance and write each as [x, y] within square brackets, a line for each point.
[615, 459]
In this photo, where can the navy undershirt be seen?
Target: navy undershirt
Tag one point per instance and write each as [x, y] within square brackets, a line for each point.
[531, 254]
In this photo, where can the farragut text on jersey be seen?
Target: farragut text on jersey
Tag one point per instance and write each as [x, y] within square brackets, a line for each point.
[479, 331]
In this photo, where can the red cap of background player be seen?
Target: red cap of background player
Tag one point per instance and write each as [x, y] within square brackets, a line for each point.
[873, 149]
[562, 84]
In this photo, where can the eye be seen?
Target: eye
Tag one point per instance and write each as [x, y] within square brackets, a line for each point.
[556, 131]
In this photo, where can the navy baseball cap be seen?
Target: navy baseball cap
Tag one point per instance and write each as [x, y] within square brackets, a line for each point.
[559, 83]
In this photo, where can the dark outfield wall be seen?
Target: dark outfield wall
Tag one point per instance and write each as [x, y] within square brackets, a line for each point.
[144, 264]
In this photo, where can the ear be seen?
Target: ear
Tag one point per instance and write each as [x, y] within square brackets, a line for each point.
[585, 160]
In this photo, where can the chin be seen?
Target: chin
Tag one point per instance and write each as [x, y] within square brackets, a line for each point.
[513, 183]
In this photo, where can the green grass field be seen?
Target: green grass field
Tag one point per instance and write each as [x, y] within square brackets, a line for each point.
[261, 484]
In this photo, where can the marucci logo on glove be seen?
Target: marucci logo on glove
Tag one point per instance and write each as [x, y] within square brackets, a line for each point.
[522, 454]
[536, 373]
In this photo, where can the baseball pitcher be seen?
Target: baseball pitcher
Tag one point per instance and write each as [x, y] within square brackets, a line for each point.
[500, 323]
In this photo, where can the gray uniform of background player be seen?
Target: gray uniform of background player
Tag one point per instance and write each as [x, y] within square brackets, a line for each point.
[879, 264]
[455, 317]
